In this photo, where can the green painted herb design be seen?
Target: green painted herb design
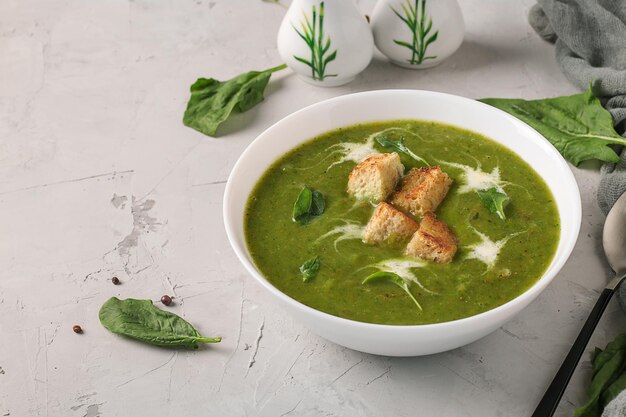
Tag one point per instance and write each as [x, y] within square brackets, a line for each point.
[414, 16]
[312, 32]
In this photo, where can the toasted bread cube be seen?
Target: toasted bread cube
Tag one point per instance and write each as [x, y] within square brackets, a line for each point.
[422, 190]
[375, 177]
[388, 225]
[433, 241]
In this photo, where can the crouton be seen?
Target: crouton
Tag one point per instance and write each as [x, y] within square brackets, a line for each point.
[422, 190]
[389, 226]
[433, 241]
[375, 177]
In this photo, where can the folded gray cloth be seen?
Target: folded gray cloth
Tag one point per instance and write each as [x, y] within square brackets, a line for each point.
[617, 407]
[590, 41]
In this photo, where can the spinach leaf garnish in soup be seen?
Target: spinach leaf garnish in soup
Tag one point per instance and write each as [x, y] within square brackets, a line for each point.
[309, 203]
[496, 260]
[495, 201]
[395, 279]
[400, 147]
[309, 269]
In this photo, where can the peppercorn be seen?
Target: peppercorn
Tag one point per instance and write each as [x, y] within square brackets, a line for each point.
[77, 329]
[166, 300]
[115, 281]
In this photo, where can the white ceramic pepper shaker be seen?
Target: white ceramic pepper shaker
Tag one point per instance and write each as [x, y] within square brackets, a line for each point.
[327, 43]
[417, 34]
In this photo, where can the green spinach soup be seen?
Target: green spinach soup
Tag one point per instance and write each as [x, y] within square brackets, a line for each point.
[305, 231]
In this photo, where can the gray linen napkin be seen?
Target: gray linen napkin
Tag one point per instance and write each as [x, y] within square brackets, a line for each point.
[590, 42]
[617, 407]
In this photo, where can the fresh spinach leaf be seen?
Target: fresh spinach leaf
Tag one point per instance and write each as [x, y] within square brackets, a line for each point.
[400, 147]
[302, 206]
[578, 126]
[212, 101]
[141, 320]
[309, 203]
[614, 389]
[318, 203]
[392, 278]
[609, 377]
[309, 269]
[495, 201]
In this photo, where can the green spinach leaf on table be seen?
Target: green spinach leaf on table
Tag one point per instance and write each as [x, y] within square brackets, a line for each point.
[212, 101]
[609, 377]
[141, 320]
[577, 125]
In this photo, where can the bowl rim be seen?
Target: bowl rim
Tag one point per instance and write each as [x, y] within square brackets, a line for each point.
[524, 298]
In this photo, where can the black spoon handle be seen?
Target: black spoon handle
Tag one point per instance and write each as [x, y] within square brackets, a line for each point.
[549, 402]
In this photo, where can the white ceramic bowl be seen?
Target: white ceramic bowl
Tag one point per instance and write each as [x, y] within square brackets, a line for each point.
[403, 104]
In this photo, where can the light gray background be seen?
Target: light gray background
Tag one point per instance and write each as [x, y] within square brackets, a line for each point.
[98, 177]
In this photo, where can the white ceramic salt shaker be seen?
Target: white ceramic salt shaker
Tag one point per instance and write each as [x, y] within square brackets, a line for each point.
[417, 34]
[327, 43]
